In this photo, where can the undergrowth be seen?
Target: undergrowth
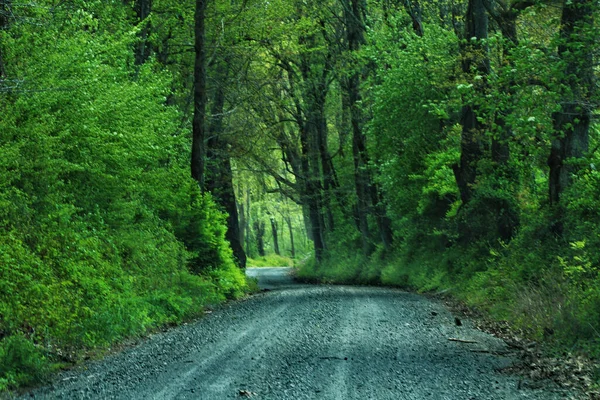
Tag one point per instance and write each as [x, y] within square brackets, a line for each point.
[270, 260]
[551, 294]
[52, 318]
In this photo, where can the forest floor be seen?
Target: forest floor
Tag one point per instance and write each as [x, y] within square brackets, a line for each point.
[297, 341]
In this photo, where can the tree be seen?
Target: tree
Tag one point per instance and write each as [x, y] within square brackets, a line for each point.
[354, 11]
[572, 121]
[5, 12]
[209, 146]
[369, 200]
[199, 136]
[259, 232]
[475, 61]
[275, 235]
[142, 50]
[219, 175]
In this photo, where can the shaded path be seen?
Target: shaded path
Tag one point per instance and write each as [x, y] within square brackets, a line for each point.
[308, 342]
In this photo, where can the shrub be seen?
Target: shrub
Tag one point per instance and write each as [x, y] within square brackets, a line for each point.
[21, 362]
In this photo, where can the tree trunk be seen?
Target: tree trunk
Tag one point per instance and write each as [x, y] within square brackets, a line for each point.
[310, 136]
[142, 49]
[218, 174]
[259, 232]
[5, 12]
[413, 7]
[507, 217]
[384, 223]
[311, 197]
[507, 21]
[572, 121]
[361, 177]
[306, 216]
[198, 124]
[275, 236]
[329, 183]
[366, 192]
[354, 12]
[288, 221]
[311, 177]
[247, 224]
[475, 59]
[243, 222]
[227, 200]
[316, 128]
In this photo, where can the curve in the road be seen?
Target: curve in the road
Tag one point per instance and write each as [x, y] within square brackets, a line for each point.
[308, 342]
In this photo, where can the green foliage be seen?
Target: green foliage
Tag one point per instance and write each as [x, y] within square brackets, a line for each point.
[339, 268]
[412, 151]
[271, 260]
[512, 264]
[21, 362]
[104, 235]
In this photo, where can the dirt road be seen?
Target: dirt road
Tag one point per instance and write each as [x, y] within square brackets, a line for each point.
[308, 342]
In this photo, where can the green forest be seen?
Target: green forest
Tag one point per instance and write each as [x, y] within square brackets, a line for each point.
[151, 149]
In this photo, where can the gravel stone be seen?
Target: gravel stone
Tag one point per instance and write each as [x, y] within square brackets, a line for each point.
[296, 341]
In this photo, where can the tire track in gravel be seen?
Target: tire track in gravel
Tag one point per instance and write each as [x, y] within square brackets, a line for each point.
[295, 370]
[352, 323]
[230, 359]
[308, 342]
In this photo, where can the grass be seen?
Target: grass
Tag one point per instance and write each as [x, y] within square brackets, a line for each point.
[271, 260]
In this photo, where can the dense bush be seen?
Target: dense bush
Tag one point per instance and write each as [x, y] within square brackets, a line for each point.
[103, 235]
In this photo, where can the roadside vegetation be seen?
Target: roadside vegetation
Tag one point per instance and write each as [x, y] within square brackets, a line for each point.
[271, 260]
[103, 233]
[488, 175]
[500, 211]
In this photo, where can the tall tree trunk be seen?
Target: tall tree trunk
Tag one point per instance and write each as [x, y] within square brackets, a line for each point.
[329, 183]
[384, 223]
[142, 49]
[310, 190]
[275, 236]
[361, 176]
[259, 233]
[572, 121]
[413, 7]
[311, 196]
[475, 59]
[505, 16]
[219, 175]
[243, 219]
[288, 221]
[306, 214]
[5, 12]
[247, 225]
[363, 185]
[198, 134]
[243, 222]
[310, 140]
[354, 12]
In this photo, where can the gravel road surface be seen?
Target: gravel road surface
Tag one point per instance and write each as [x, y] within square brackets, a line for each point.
[296, 341]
